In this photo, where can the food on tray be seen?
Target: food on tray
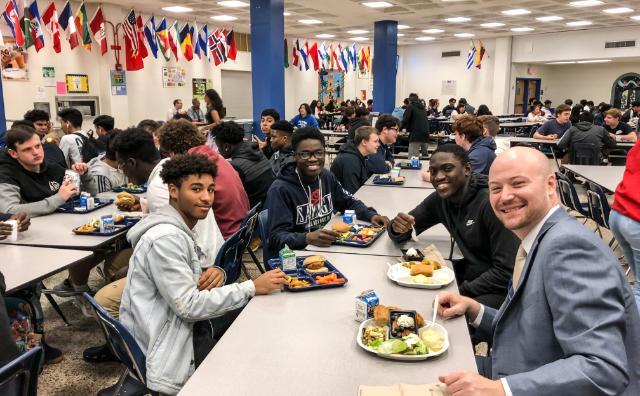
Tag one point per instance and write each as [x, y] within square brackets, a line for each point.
[133, 186]
[341, 227]
[402, 323]
[125, 199]
[315, 264]
[381, 315]
[359, 233]
[390, 179]
[433, 339]
[407, 345]
[373, 336]
[329, 279]
[432, 254]
[422, 269]
[412, 255]
[86, 228]
[295, 282]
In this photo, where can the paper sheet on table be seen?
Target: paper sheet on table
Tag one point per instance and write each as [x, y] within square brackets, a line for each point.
[436, 389]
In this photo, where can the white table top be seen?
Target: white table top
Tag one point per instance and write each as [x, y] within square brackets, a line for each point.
[608, 177]
[413, 179]
[518, 124]
[22, 265]
[532, 140]
[305, 343]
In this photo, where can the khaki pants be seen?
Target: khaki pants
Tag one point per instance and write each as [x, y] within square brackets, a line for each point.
[109, 297]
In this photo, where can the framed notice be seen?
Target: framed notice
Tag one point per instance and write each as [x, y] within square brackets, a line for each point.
[449, 87]
[77, 83]
[118, 82]
[199, 87]
[174, 77]
[14, 61]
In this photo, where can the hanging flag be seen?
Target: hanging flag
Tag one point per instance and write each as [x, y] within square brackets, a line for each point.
[343, 58]
[217, 48]
[296, 55]
[35, 26]
[50, 19]
[353, 56]
[286, 53]
[98, 29]
[232, 51]
[325, 58]
[163, 39]
[201, 42]
[304, 56]
[142, 47]
[150, 34]
[186, 45]
[174, 35]
[66, 21]
[133, 58]
[196, 44]
[480, 50]
[334, 59]
[313, 53]
[471, 55]
[82, 26]
[10, 15]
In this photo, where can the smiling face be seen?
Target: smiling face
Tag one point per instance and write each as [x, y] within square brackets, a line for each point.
[311, 166]
[302, 110]
[265, 124]
[371, 145]
[611, 121]
[194, 197]
[449, 175]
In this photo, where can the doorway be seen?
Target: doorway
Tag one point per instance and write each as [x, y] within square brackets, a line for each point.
[526, 88]
[236, 93]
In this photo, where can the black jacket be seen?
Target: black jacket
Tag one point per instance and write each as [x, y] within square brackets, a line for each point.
[586, 132]
[355, 124]
[376, 163]
[8, 349]
[53, 154]
[254, 170]
[489, 249]
[34, 187]
[350, 168]
[295, 210]
[416, 123]
[280, 158]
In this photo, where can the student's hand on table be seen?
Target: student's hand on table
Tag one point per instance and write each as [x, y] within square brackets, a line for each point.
[380, 221]
[426, 175]
[321, 237]
[211, 278]
[135, 207]
[463, 383]
[5, 230]
[23, 221]
[389, 165]
[67, 190]
[452, 305]
[270, 281]
[553, 136]
[402, 223]
[80, 167]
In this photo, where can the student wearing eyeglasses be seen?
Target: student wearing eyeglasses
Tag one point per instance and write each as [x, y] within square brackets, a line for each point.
[304, 196]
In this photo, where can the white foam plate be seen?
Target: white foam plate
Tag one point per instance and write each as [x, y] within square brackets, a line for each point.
[402, 276]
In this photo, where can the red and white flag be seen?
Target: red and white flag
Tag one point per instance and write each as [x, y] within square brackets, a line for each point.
[50, 19]
[98, 29]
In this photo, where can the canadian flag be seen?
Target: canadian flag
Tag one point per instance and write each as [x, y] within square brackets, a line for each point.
[50, 19]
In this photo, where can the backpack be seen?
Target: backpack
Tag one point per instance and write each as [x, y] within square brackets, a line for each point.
[88, 147]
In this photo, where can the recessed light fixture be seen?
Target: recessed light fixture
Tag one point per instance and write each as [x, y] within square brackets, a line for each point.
[433, 31]
[522, 29]
[617, 10]
[464, 35]
[177, 9]
[457, 19]
[233, 4]
[310, 21]
[358, 39]
[586, 3]
[286, 13]
[224, 18]
[400, 34]
[636, 17]
[517, 11]
[595, 61]
[550, 18]
[402, 27]
[325, 35]
[377, 4]
[579, 23]
[358, 31]
[560, 63]
[425, 38]
[492, 24]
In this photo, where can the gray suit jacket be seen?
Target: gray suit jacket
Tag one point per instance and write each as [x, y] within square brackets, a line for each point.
[572, 327]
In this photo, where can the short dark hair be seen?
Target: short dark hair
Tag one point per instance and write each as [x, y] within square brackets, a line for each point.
[136, 143]
[178, 136]
[462, 100]
[452, 100]
[583, 102]
[386, 121]
[151, 124]
[105, 121]
[36, 115]
[182, 166]
[547, 101]
[273, 113]
[361, 112]
[457, 151]
[181, 116]
[176, 101]
[349, 111]
[635, 103]
[18, 135]
[568, 102]
[72, 115]
[363, 133]
[282, 126]
[562, 108]
[469, 126]
[22, 123]
[306, 133]
[585, 116]
[483, 110]
[228, 132]
[491, 122]
[110, 153]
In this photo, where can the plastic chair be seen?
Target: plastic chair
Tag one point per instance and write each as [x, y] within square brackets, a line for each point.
[229, 257]
[584, 154]
[599, 208]
[122, 344]
[251, 219]
[263, 222]
[569, 196]
[19, 377]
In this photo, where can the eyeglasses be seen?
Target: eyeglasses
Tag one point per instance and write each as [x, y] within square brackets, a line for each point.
[305, 155]
[394, 128]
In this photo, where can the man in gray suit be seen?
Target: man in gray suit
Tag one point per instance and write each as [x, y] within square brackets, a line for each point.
[569, 325]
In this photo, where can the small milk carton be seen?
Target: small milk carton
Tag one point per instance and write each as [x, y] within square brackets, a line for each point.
[349, 216]
[288, 259]
[415, 162]
[365, 303]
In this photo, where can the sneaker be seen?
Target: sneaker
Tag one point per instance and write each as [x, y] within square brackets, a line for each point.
[66, 289]
[85, 307]
[52, 355]
[99, 354]
[130, 387]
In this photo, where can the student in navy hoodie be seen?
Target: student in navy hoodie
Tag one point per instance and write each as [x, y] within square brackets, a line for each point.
[481, 149]
[304, 197]
[304, 117]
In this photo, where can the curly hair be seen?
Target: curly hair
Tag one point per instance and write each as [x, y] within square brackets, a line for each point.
[306, 133]
[36, 115]
[178, 136]
[469, 126]
[136, 143]
[182, 166]
[228, 132]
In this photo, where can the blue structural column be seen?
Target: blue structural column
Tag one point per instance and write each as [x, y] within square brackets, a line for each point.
[3, 118]
[385, 53]
[267, 58]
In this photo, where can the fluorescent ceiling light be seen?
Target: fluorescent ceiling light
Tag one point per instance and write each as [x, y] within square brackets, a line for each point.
[517, 11]
[560, 63]
[492, 24]
[579, 23]
[358, 31]
[618, 10]
[310, 21]
[522, 29]
[636, 17]
[177, 9]
[377, 4]
[550, 18]
[402, 27]
[425, 38]
[286, 13]
[595, 61]
[325, 35]
[358, 39]
[223, 18]
[586, 3]
[433, 31]
[464, 34]
[400, 34]
[233, 4]
[458, 19]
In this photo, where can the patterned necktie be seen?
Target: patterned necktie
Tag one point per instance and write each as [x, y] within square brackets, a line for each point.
[521, 258]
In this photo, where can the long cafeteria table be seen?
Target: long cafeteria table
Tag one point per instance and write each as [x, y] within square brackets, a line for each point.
[412, 179]
[305, 343]
[608, 177]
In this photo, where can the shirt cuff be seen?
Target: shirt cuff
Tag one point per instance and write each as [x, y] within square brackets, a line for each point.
[476, 323]
[505, 386]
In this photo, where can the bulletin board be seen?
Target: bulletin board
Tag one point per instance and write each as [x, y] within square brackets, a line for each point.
[174, 77]
[77, 83]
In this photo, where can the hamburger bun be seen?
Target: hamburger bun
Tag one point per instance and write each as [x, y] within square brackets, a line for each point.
[314, 263]
[341, 227]
[125, 199]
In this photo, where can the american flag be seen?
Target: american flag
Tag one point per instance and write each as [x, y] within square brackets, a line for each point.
[130, 30]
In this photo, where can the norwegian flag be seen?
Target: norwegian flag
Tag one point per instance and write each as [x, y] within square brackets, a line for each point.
[217, 47]
[130, 26]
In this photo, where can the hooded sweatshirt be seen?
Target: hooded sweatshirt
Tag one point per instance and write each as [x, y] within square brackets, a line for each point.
[101, 177]
[161, 300]
[280, 158]
[307, 121]
[29, 192]
[355, 124]
[415, 121]
[587, 132]
[489, 249]
[350, 167]
[254, 170]
[296, 209]
[377, 163]
[482, 153]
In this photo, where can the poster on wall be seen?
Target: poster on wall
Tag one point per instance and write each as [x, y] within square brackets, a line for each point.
[77, 83]
[118, 82]
[49, 76]
[449, 87]
[174, 77]
[331, 86]
[199, 87]
[14, 61]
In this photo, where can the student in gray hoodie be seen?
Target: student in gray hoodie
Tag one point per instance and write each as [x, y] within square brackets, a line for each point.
[161, 303]
[101, 174]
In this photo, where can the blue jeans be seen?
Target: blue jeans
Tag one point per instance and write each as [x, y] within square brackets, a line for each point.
[627, 233]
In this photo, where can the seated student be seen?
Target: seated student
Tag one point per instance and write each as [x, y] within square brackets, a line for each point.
[361, 119]
[617, 129]
[101, 174]
[461, 204]
[162, 305]
[382, 161]
[547, 109]
[448, 109]
[350, 165]
[304, 118]
[556, 127]
[281, 132]
[195, 112]
[459, 111]
[491, 127]
[469, 134]
[631, 115]
[347, 115]
[536, 114]
[40, 121]
[267, 118]
[75, 144]
[27, 182]
[586, 132]
[245, 157]
[305, 195]
[104, 126]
